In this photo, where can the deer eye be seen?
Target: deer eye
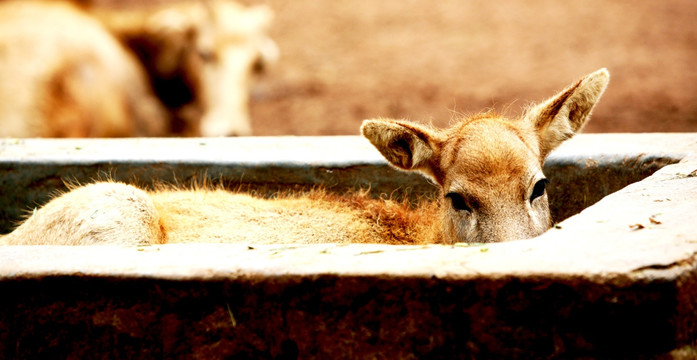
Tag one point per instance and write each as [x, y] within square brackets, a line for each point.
[458, 202]
[539, 189]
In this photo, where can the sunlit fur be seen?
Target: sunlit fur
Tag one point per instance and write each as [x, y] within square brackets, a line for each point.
[486, 166]
[64, 75]
[173, 69]
[116, 213]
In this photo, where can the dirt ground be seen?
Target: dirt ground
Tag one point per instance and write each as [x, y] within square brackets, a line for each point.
[344, 61]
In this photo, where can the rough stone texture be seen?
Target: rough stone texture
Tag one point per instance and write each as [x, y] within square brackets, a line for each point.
[332, 316]
[617, 280]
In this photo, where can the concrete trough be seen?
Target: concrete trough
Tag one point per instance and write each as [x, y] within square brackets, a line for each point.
[617, 277]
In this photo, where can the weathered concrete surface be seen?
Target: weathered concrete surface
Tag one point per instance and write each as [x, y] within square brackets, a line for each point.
[618, 280]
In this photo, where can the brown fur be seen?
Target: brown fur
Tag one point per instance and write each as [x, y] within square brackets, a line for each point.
[171, 215]
[199, 56]
[178, 69]
[313, 217]
[64, 75]
[488, 168]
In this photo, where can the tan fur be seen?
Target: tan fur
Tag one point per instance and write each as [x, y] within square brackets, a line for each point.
[64, 75]
[200, 56]
[100, 213]
[181, 69]
[116, 213]
[487, 167]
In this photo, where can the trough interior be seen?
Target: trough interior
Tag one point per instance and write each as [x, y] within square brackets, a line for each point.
[576, 182]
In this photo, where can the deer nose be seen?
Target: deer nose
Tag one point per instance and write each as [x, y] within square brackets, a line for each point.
[503, 227]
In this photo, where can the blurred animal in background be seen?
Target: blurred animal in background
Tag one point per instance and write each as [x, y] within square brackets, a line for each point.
[62, 74]
[200, 57]
[175, 69]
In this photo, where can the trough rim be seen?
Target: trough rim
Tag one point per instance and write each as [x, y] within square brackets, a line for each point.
[682, 148]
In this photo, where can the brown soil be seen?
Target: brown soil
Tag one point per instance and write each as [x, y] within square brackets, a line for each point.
[343, 61]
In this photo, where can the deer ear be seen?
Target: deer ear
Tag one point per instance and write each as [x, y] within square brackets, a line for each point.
[558, 118]
[405, 145]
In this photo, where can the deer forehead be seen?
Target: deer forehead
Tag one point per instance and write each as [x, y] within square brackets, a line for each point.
[490, 155]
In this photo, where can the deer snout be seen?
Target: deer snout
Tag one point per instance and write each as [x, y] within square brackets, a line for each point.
[489, 226]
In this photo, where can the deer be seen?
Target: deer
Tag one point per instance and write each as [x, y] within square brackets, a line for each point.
[488, 169]
[65, 75]
[174, 69]
[200, 57]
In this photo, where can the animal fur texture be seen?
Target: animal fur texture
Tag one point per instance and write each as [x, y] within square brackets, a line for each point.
[489, 170]
[200, 57]
[174, 69]
[64, 75]
[116, 213]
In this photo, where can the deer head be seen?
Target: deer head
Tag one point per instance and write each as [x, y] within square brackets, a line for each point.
[202, 56]
[489, 168]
